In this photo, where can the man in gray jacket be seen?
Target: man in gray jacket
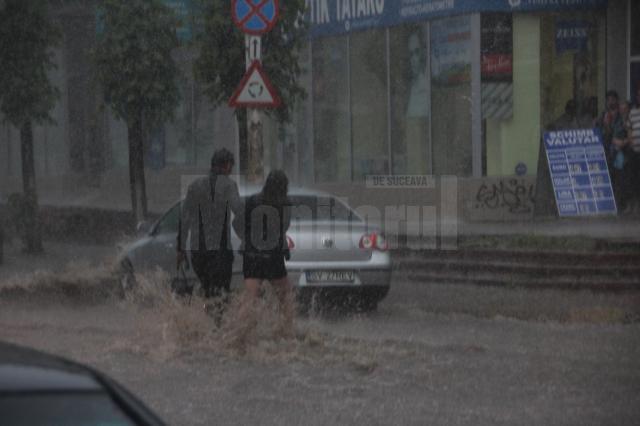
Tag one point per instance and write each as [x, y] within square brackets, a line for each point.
[205, 226]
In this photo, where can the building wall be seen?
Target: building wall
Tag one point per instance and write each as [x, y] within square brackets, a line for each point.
[516, 140]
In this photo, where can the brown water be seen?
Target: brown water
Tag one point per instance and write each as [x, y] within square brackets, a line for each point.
[416, 361]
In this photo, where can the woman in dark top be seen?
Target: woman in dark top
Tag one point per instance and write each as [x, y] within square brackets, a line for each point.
[263, 230]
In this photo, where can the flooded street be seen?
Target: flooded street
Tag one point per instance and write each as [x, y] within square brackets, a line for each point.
[461, 176]
[432, 354]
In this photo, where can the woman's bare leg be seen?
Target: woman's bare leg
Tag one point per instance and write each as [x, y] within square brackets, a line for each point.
[285, 294]
[246, 320]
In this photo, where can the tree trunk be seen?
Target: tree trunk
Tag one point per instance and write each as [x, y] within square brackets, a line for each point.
[137, 184]
[33, 239]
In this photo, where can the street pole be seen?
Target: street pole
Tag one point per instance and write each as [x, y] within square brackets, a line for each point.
[255, 91]
[255, 148]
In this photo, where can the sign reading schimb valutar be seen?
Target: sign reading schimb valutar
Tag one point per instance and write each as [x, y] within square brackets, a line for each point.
[579, 172]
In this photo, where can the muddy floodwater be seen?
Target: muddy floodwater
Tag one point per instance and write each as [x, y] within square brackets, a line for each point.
[431, 354]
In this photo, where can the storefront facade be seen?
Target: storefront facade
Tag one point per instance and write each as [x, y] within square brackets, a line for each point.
[462, 88]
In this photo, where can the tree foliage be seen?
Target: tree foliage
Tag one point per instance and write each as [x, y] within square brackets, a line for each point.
[221, 63]
[27, 37]
[138, 76]
[133, 58]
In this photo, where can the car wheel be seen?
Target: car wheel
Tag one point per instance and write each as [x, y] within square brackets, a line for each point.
[370, 297]
[304, 300]
[368, 304]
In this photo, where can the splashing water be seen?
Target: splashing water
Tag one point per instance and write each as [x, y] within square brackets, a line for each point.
[78, 282]
[167, 327]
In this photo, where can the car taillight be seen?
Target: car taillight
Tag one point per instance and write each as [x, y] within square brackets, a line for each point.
[373, 241]
[381, 242]
[290, 243]
[366, 242]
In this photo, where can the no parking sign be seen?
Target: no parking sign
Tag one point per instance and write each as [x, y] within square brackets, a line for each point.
[255, 17]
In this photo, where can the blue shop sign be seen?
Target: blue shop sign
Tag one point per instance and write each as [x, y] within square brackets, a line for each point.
[571, 36]
[331, 17]
[579, 172]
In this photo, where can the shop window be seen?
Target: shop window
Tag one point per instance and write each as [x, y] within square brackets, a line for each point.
[188, 139]
[410, 99]
[451, 96]
[634, 48]
[293, 151]
[558, 82]
[634, 14]
[573, 68]
[331, 123]
[180, 147]
[369, 103]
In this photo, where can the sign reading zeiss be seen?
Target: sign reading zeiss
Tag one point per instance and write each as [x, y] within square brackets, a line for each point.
[579, 172]
[330, 17]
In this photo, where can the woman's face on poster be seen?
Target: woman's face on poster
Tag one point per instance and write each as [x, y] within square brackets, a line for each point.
[415, 54]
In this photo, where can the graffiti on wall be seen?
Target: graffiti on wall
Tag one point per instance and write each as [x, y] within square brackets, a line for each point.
[514, 195]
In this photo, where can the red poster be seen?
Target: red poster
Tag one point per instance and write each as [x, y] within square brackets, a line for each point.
[497, 47]
[497, 64]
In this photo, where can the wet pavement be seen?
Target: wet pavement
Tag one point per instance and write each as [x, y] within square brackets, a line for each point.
[431, 354]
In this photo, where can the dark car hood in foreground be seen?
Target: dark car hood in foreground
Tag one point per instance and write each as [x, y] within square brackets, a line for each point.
[25, 370]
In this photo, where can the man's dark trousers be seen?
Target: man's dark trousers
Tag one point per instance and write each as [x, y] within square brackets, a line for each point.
[214, 270]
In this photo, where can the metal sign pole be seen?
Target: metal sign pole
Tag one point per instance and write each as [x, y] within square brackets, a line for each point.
[254, 119]
[255, 91]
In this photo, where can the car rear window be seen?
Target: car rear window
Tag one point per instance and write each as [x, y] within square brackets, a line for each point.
[320, 208]
[169, 222]
[305, 207]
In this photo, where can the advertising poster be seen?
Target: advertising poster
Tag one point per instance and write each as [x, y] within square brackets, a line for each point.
[579, 173]
[451, 51]
[419, 96]
[496, 47]
[496, 50]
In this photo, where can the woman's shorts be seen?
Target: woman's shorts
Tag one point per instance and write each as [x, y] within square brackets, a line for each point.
[264, 266]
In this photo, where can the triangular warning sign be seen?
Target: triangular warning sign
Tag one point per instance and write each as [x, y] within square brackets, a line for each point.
[255, 90]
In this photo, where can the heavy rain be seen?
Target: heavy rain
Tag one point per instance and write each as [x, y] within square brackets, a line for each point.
[319, 212]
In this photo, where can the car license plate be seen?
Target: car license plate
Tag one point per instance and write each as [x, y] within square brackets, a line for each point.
[330, 276]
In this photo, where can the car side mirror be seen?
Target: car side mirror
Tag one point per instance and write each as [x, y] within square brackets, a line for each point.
[143, 227]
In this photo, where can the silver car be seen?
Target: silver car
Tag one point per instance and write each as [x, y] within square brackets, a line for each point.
[335, 255]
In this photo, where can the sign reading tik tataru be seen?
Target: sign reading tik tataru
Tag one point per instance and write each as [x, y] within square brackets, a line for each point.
[579, 172]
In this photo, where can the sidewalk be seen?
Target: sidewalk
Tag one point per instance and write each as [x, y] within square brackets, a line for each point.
[97, 227]
[624, 228]
[109, 206]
